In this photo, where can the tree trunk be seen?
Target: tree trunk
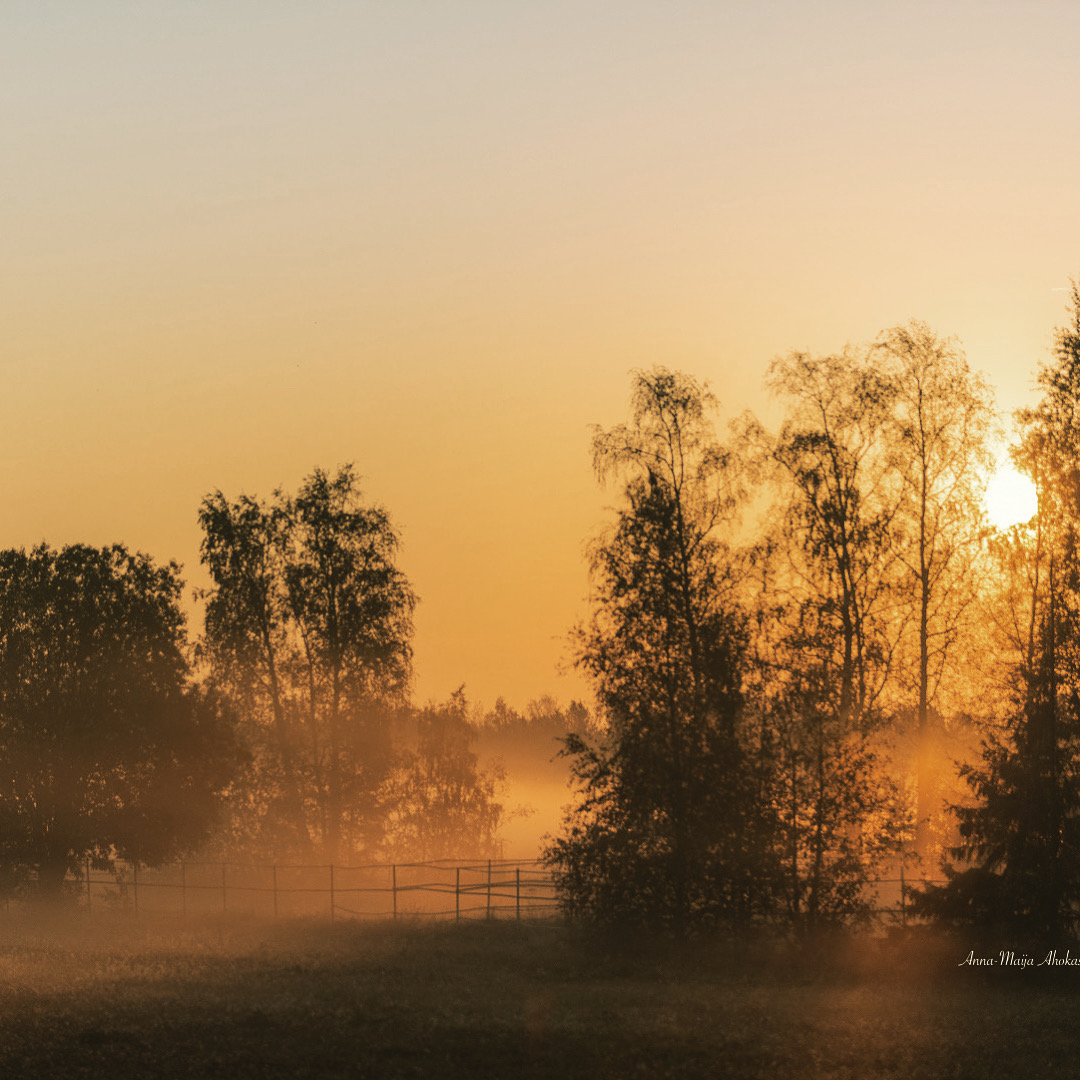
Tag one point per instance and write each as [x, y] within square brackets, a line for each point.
[51, 874]
[923, 770]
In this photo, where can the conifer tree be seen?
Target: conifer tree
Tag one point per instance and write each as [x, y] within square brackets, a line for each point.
[1021, 840]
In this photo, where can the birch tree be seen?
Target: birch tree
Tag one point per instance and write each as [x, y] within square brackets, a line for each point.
[942, 419]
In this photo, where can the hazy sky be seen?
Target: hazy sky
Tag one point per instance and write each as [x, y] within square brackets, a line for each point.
[240, 239]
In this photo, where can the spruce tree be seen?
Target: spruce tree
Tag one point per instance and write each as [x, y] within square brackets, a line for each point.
[1021, 840]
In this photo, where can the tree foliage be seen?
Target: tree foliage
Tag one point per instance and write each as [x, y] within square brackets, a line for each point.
[441, 802]
[309, 629]
[943, 417]
[1020, 841]
[827, 625]
[106, 748]
[838, 526]
[664, 832]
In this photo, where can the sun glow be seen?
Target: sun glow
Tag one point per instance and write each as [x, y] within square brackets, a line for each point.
[1010, 497]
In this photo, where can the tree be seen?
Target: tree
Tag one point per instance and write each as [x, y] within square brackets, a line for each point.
[106, 748]
[665, 833]
[942, 417]
[528, 741]
[309, 628]
[838, 816]
[1021, 840]
[442, 803]
[840, 516]
[827, 630]
[248, 644]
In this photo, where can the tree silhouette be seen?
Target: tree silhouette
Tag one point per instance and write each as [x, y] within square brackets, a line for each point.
[1021, 840]
[665, 832]
[826, 629]
[839, 519]
[309, 628]
[942, 418]
[247, 641]
[838, 816]
[106, 749]
[441, 803]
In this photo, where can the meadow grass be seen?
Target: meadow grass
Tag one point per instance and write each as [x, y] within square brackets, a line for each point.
[114, 997]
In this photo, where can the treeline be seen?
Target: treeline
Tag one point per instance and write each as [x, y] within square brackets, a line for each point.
[805, 645]
[798, 634]
[285, 732]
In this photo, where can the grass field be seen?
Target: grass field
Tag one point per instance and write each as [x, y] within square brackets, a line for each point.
[317, 999]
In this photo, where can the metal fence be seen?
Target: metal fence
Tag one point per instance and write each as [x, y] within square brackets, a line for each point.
[496, 888]
[444, 888]
[889, 900]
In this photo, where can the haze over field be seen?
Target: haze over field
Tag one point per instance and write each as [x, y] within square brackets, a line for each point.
[245, 239]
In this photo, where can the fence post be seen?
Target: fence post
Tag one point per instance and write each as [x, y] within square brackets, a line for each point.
[903, 904]
[393, 882]
[183, 889]
[489, 891]
[457, 892]
[517, 874]
[88, 905]
[224, 893]
[275, 889]
[331, 892]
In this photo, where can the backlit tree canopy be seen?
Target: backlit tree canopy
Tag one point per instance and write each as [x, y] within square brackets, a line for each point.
[309, 630]
[1019, 853]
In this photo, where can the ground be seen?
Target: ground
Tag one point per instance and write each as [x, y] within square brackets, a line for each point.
[113, 997]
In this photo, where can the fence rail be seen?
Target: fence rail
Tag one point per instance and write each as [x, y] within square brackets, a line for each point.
[445, 888]
[496, 888]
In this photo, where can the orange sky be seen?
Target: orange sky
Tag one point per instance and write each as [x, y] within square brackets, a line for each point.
[241, 239]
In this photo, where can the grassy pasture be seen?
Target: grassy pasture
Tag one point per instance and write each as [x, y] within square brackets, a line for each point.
[229, 998]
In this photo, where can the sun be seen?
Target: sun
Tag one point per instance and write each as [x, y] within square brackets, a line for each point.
[1010, 497]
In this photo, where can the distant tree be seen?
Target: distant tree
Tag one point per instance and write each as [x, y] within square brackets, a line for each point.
[106, 748]
[441, 802]
[542, 714]
[535, 735]
[1020, 842]
[666, 830]
[309, 628]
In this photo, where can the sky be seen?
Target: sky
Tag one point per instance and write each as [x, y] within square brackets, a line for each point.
[241, 239]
